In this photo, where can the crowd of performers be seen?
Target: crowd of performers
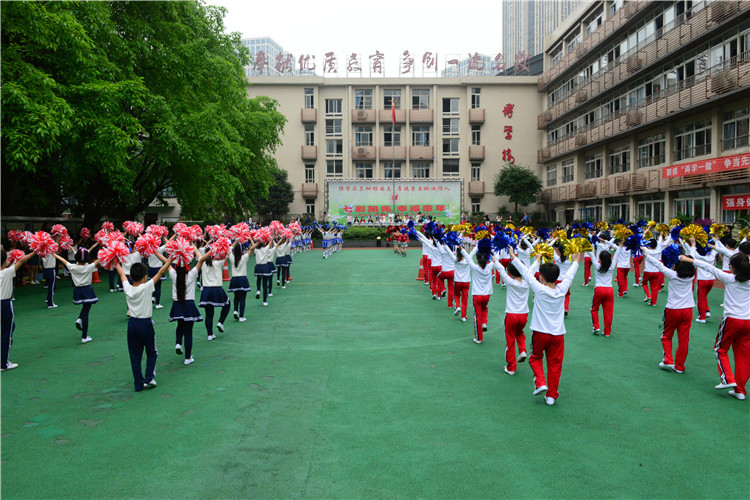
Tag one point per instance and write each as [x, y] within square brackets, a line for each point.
[138, 261]
[463, 260]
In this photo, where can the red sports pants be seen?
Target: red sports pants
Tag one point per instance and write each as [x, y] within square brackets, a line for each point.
[461, 294]
[436, 286]
[704, 286]
[734, 333]
[622, 281]
[553, 346]
[604, 297]
[587, 270]
[505, 263]
[679, 320]
[480, 314]
[448, 277]
[567, 296]
[652, 281]
[637, 261]
[426, 268]
[514, 324]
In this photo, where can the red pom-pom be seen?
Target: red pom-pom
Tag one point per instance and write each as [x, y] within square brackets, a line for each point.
[158, 231]
[178, 228]
[59, 230]
[43, 244]
[27, 235]
[15, 235]
[287, 234]
[147, 244]
[115, 253]
[217, 231]
[295, 227]
[104, 239]
[181, 251]
[264, 235]
[85, 232]
[196, 232]
[15, 255]
[132, 228]
[276, 227]
[66, 242]
[108, 227]
[220, 248]
[240, 232]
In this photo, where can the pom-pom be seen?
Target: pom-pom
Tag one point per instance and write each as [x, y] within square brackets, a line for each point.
[59, 230]
[544, 251]
[510, 226]
[662, 229]
[694, 231]
[410, 224]
[702, 250]
[481, 234]
[451, 239]
[27, 235]
[158, 231]
[620, 221]
[744, 234]
[287, 234]
[15, 235]
[276, 227]
[560, 235]
[577, 245]
[670, 255]
[220, 248]
[621, 232]
[108, 227]
[527, 231]
[104, 239]
[66, 242]
[241, 232]
[297, 230]
[500, 242]
[178, 228]
[85, 233]
[675, 233]
[651, 223]
[544, 233]
[464, 229]
[181, 251]
[594, 239]
[43, 244]
[484, 246]
[264, 235]
[633, 243]
[15, 255]
[218, 231]
[674, 222]
[602, 226]
[147, 244]
[191, 233]
[718, 230]
[115, 253]
[132, 228]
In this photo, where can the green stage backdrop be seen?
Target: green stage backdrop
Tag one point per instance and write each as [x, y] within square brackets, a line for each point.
[362, 198]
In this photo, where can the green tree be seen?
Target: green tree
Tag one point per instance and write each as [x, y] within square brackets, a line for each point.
[110, 103]
[518, 183]
[280, 195]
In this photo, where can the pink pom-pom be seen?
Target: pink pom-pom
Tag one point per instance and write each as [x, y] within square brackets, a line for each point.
[43, 244]
[59, 230]
[101, 237]
[132, 228]
[158, 231]
[276, 227]
[27, 235]
[108, 227]
[85, 232]
[178, 228]
[240, 232]
[181, 251]
[218, 231]
[264, 235]
[15, 235]
[220, 248]
[15, 255]
[295, 227]
[287, 234]
[147, 244]
[66, 242]
[115, 253]
[196, 232]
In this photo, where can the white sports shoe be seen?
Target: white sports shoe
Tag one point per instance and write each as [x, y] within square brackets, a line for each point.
[540, 390]
[698, 320]
[79, 324]
[726, 386]
[236, 314]
[211, 337]
[189, 360]
[521, 357]
[550, 401]
[458, 310]
[508, 371]
[158, 306]
[220, 327]
[86, 340]
[665, 366]
[242, 320]
[734, 394]
[178, 349]
[10, 366]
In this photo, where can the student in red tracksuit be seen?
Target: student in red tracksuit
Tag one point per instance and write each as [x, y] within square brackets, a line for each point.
[653, 280]
[547, 323]
[428, 243]
[462, 280]
[516, 314]
[623, 268]
[734, 331]
[705, 284]
[563, 263]
[446, 273]
[637, 261]
[678, 314]
[425, 263]
[604, 295]
[481, 291]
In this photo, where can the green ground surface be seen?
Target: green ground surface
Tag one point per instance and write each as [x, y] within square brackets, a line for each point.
[353, 383]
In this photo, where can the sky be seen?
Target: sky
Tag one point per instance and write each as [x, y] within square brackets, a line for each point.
[389, 26]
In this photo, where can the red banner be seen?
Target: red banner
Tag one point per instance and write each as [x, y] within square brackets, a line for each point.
[707, 166]
[736, 202]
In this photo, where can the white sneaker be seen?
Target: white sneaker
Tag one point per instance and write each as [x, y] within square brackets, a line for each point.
[211, 337]
[236, 314]
[86, 340]
[484, 327]
[508, 371]
[79, 324]
[270, 295]
[150, 385]
[596, 331]
[550, 401]
[476, 341]
[434, 297]
[158, 306]
[278, 282]
[708, 314]
[178, 349]
[502, 284]
[189, 360]
[220, 327]
[646, 299]
[10, 366]
[698, 320]
[734, 394]
[665, 366]
[52, 306]
[265, 304]
[521, 357]
[458, 310]
[678, 371]
[283, 287]
[153, 300]
[257, 294]
[440, 298]
[242, 319]
[463, 319]
[540, 390]
[726, 386]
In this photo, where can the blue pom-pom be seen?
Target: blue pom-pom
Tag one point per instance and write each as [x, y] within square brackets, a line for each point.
[544, 233]
[438, 233]
[484, 246]
[670, 255]
[499, 242]
[588, 226]
[633, 243]
[403, 230]
[675, 233]
[410, 224]
[452, 239]
[412, 233]
[620, 221]
[702, 250]
[641, 223]
[594, 239]
[481, 227]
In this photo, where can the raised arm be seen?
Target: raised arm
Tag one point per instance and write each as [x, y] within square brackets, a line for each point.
[594, 260]
[661, 267]
[718, 273]
[65, 262]
[20, 262]
[203, 258]
[163, 268]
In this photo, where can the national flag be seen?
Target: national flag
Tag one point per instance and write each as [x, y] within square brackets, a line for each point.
[393, 110]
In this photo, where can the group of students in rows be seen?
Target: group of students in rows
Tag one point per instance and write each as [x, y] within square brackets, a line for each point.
[453, 270]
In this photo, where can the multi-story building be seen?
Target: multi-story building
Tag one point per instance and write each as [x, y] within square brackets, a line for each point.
[647, 111]
[477, 65]
[526, 22]
[460, 127]
[269, 48]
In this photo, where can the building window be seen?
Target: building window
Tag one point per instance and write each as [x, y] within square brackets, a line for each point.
[333, 127]
[594, 166]
[363, 170]
[692, 140]
[334, 147]
[362, 98]
[392, 169]
[309, 135]
[450, 126]
[556, 55]
[619, 209]
[476, 98]
[450, 147]
[450, 168]
[476, 205]
[420, 169]
[309, 172]
[309, 98]
[310, 208]
[476, 171]
[591, 212]
[573, 41]
[651, 150]
[736, 128]
[363, 135]
[450, 105]
[476, 135]
[392, 135]
[420, 135]
[392, 97]
[619, 160]
[333, 107]
[695, 203]
[651, 210]
[567, 171]
[551, 175]
[420, 99]
[335, 168]
[730, 216]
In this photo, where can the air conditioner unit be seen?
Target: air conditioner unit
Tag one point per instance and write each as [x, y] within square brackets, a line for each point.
[361, 115]
[360, 151]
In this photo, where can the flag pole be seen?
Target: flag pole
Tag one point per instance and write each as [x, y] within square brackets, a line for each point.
[393, 155]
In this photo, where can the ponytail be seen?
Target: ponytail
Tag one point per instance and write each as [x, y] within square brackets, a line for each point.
[181, 284]
[237, 256]
[741, 264]
[605, 261]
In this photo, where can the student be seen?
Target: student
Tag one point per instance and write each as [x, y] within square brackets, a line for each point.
[141, 333]
[637, 261]
[183, 309]
[734, 331]
[435, 261]
[7, 316]
[239, 284]
[447, 270]
[462, 280]
[653, 280]
[264, 270]
[623, 268]
[604, 295]
[83, 293]
[516, 314]
[49, 265]
[705, 284]
[153, 267]
[727, 247]
[283, 261]
[547, 323]
[212, 293]
[678, 313]
[564, 264]
[481, 291]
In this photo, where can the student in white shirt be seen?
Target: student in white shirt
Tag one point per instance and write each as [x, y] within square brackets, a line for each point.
[239, 284]
[623, 268]
[7, 316]
[83, 293]
[462, 280]
[604, 295]
[153, 267]
[652, 281]
[516, 314]
[705, 284]
[213, 294]
[481, 291]
[447, 270]
[184, 311]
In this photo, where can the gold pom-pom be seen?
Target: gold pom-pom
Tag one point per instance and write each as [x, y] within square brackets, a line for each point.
[621, 232]
[718, 230]
[744, 233]
[694, 231]
[674, 222]
[662, 228]
[602, 226]
[560, 235]
[527, 230]
[482, 234]
[651, 223]
[582, 231]
[545, 251]
[510, 226]
[647, 235]
[464, 229]
[577, 245]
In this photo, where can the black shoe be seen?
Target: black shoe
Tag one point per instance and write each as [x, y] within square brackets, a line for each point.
[566, 314]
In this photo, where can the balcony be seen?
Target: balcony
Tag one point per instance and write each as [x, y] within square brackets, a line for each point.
[476, 188]
[476, 115]
[309, 115]
[309, 152]
[421, 153]
[586, 190]
[386, 116]
[363, 152]
[476, 152]
[363, 116]
[420, 115]
[309, 190]
[392, 152]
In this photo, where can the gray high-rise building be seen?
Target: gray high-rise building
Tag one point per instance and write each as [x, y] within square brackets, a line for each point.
[526, 22]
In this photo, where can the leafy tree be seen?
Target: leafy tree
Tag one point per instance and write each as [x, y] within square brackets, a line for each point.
[280, 195]
[518, 183]
[112, 102]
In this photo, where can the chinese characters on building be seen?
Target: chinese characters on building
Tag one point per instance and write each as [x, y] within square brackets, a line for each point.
[736, 202]
[508, 130]
[707, 166]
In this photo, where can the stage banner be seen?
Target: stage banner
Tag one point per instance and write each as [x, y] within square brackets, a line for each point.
[362, 198]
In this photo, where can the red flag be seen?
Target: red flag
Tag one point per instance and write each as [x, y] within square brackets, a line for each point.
[393, 110]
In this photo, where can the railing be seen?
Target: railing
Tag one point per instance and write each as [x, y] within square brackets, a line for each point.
[652, 161]
[685, 153]
[567, 178]
[735, 142]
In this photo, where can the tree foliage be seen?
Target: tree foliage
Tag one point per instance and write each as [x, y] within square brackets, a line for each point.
[109, 103]
[518, 183]
[280, 195]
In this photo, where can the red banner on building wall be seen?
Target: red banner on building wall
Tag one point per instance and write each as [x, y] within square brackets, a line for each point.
[736, 202]
[707, 166]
